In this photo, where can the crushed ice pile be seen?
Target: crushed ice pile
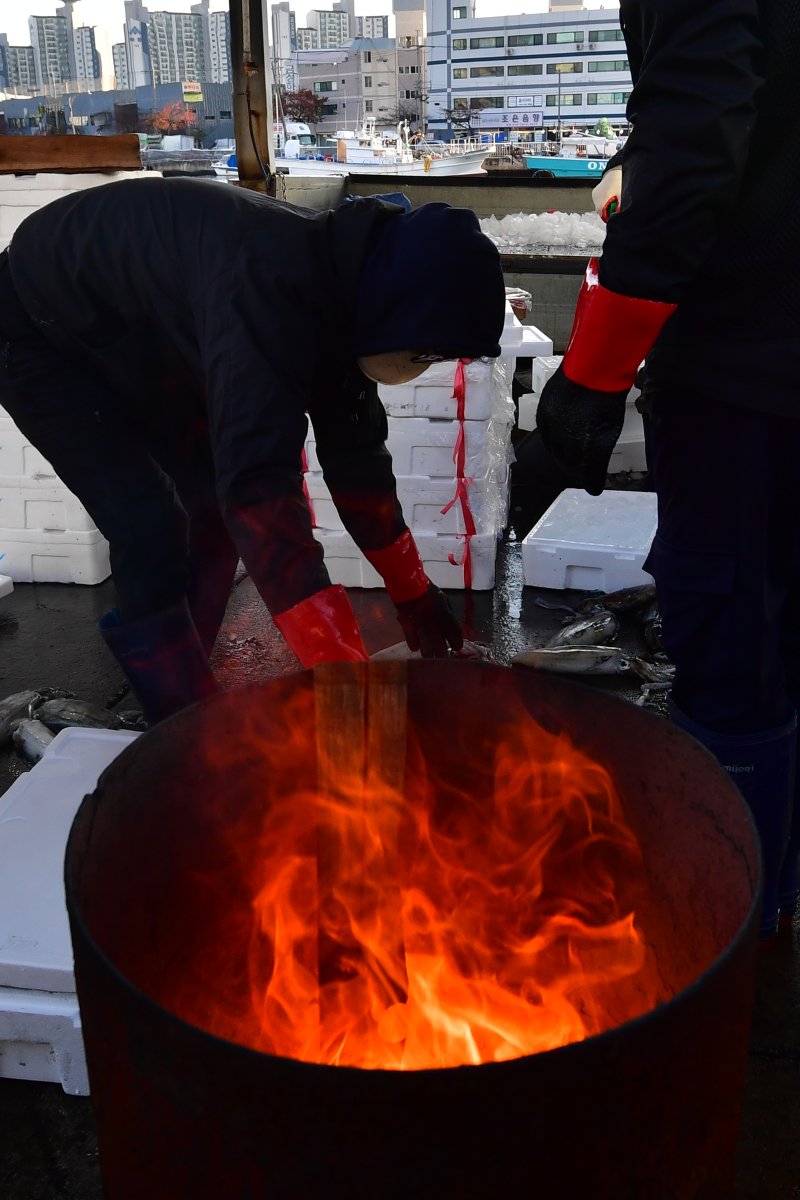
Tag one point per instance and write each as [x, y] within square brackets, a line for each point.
[546, 233]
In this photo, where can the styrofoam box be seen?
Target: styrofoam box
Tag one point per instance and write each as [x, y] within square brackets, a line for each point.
[40, 1035]
[425, 446]
[487, 391]
[627, 455]
[54, 509]
[21, 464]
[591, 542]
[35, 556]
[543, 367]
[6, 585]
[347, 565]
[422, 500]
[525, 341]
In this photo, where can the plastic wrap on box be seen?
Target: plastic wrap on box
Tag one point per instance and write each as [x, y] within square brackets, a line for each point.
[346, 564]
[426, 446]
[487, 392]
[36, 556]
[591, 542]
[427, 504]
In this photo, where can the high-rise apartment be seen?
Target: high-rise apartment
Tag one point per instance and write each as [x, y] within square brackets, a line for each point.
[333, 27]
[119, 55]
[51, 50]
[283, 47]
[219, 46]
[177, 43]
[87, 58]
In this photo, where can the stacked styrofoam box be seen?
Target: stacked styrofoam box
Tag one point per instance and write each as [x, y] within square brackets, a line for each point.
[46, 536]
[591, 542]
[40, 1028]
[627, 455]
[423, 431]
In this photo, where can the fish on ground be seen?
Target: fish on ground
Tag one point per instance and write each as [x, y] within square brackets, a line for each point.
[653, 672]
[31, 738]
[64, 713]
[576, 660]
[597, 629]
[623, 600]
[14, 708]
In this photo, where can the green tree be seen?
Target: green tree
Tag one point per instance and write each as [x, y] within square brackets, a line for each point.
[603, 128]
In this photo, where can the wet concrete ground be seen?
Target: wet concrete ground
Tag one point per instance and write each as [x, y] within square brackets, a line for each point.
[48, 1149]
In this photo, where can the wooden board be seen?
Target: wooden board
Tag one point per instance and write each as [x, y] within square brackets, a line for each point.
[69, 154]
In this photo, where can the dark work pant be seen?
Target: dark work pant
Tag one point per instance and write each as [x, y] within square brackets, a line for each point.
[143, 471]
[726, 558]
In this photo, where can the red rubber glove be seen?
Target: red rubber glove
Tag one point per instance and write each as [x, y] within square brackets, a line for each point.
[323, 628]
[423, 610]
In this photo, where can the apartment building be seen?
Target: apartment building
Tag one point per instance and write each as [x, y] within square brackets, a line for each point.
[50, 42]
[219, 46]
[19, 73]
[87, 58]
[523, 74]
[333, 28]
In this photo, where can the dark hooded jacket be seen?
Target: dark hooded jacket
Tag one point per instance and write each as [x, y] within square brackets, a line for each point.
[254, 306]
[711, 186]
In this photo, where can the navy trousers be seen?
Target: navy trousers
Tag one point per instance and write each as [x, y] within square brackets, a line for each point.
[142, 468]
[726, 558]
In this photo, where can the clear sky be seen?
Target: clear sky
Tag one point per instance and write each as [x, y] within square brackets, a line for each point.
[109, 14]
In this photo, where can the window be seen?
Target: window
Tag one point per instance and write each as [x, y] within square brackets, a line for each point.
[460, 13]
[409, 95]
[487, 43]
[367, 81]
[564, 68]
[329, 86]
[459, 72]
[619, 64]
[525, 69]
[567, 98]
[607, 97]
[367, 106]
[330, 110]
[367, 56]
[605, 35]
[486, 72]
[525, 39]
[459, 43]
[480, 102]
[558, 39]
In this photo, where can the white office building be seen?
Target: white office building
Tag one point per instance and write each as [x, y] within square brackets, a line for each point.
[525, 75]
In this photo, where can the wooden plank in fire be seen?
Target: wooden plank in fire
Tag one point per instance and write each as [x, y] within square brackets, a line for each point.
[360, 712]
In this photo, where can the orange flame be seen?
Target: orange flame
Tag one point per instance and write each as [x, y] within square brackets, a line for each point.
[402, 919]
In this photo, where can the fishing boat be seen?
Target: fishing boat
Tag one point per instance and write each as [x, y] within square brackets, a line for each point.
[579, 156]
[369, 151]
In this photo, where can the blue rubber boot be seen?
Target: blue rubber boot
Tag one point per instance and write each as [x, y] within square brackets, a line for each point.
[163, 659]
[762, 765]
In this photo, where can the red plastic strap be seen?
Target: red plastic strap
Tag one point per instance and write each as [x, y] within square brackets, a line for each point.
[462, 482]
[401, 567]
[611, 334]
[304, 465]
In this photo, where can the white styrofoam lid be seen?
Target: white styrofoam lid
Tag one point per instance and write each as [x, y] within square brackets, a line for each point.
[36, 814]
[6, 585]
[615, 519]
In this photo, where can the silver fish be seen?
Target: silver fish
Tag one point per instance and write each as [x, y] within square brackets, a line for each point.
[31, 739]
[623, 600]
[62, 714]
[653, 672]
[540, 602]
[14, 708]
[597, 629]
[576, 660]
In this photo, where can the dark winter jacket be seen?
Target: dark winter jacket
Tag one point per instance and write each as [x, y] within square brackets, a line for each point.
[711, 186]
[251, 303]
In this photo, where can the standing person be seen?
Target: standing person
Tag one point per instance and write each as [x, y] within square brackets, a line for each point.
[699, 272]
[143, 327]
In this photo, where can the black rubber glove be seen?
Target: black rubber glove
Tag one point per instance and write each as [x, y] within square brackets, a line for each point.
[580, 428]
[429, 624]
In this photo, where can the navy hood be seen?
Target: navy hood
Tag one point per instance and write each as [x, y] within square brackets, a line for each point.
[431, 283]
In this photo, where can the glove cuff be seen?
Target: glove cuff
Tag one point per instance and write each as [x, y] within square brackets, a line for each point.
[611, 334]
[401, 567]
[323, 628]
